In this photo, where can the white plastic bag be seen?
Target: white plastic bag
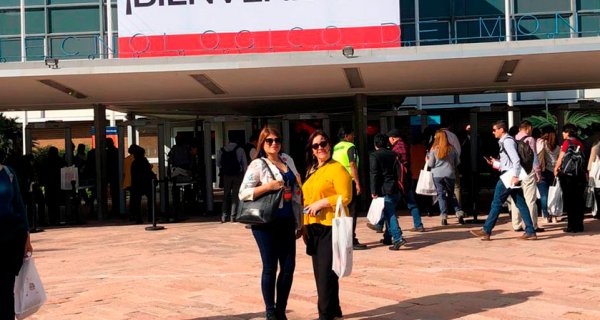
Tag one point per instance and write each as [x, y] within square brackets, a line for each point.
[425, 185]
[595, 173]
[589, 194]
[555, 200]
[68, 174]
[341, 241]
[376, 210]
[29, 291]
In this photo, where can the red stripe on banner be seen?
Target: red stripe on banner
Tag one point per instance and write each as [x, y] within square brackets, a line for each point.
[211, 43]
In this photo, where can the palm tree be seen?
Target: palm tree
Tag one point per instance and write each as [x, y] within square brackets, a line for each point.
[10, 135]
[582, 120]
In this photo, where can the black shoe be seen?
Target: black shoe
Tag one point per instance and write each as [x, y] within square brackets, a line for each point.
[397, 244]
[538, 229]
[387, 242]
[461, 220]
[374, 227]
[359, 246]
[223, 219]
[270, 316]
[444, 222]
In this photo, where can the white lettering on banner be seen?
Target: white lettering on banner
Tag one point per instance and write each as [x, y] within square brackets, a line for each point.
[240, 26]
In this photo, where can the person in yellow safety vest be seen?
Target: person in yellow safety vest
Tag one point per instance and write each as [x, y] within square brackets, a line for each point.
[345, 153]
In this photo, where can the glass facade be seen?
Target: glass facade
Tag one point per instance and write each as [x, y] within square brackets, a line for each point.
[468, 21]
[66, 29]
[76, 29]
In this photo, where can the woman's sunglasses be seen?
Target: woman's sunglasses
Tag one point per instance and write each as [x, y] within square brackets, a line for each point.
[270, 141]
[321, 144]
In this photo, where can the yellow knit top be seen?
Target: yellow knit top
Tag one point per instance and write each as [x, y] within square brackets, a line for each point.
[329, 181]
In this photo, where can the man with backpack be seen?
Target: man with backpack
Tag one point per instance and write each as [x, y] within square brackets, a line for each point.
[232, 164]
[508, 185]
[570, 169]
[526, 148]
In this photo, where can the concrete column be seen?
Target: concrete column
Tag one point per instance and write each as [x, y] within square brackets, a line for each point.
[327, 126]
[285, 132]
[24, 131]
[474, 185]
[162, 172]
[383, 125]
[510, 102]
[208, 168]
[417, 24]
[27, 140]
[68, 146]
[121, 142]
[360, 140]
[100, 137]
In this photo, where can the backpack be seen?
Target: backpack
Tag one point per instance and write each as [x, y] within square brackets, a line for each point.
[525, 153]
[230, 165]
[573, 163]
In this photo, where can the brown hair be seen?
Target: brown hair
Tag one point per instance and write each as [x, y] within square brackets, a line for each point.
[550, 136]
[311, 161]
[264, 133]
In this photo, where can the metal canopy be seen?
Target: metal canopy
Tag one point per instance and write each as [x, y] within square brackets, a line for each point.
[281, 83]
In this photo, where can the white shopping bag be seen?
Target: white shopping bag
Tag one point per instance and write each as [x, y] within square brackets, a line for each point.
[595, 173]
[341, 241]
[425, 185]
[376, 210]
[29, 291]
[589, 194]
[555, 200]
[68, 174]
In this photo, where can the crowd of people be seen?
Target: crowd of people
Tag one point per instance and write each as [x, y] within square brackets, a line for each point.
[528, 164]
[332, 171]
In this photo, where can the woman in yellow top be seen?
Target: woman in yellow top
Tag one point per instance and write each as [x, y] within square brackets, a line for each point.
[326, 180]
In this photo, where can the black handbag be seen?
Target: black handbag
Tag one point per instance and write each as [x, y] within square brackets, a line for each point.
[261, 210]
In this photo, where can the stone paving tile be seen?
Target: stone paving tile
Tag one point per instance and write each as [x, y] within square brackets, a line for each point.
[208, 271]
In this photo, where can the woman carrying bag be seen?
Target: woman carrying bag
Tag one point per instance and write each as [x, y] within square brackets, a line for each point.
[326, 181]
[14, 239]
[548, 152]
[276, 240]
[443, 161]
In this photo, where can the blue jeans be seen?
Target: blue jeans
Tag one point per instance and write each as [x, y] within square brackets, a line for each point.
[500, 196]
[445, 192]
[411, 203]
[544, 187]
[389, 216]
[277, 244]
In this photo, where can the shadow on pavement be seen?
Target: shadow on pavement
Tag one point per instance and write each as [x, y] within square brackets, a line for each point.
[446, 306]
[243, 316]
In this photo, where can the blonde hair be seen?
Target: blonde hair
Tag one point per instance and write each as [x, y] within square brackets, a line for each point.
[441, 145]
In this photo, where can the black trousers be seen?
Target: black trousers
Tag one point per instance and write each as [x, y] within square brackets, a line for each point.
[574, 200]
[352, 213]
[319, 247]
[7, 297]
[12, 249]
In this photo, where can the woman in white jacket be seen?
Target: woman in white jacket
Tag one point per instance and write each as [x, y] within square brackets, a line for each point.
[276, 240]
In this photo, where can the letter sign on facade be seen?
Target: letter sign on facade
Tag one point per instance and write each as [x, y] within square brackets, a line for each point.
[151, 28]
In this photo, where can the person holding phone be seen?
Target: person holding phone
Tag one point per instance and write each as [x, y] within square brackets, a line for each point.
[509, 163]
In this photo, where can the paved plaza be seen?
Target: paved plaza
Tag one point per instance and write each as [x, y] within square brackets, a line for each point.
[205, 270]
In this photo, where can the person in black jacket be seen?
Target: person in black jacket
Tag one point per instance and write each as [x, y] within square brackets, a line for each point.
[384, 171]
[141, 182]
